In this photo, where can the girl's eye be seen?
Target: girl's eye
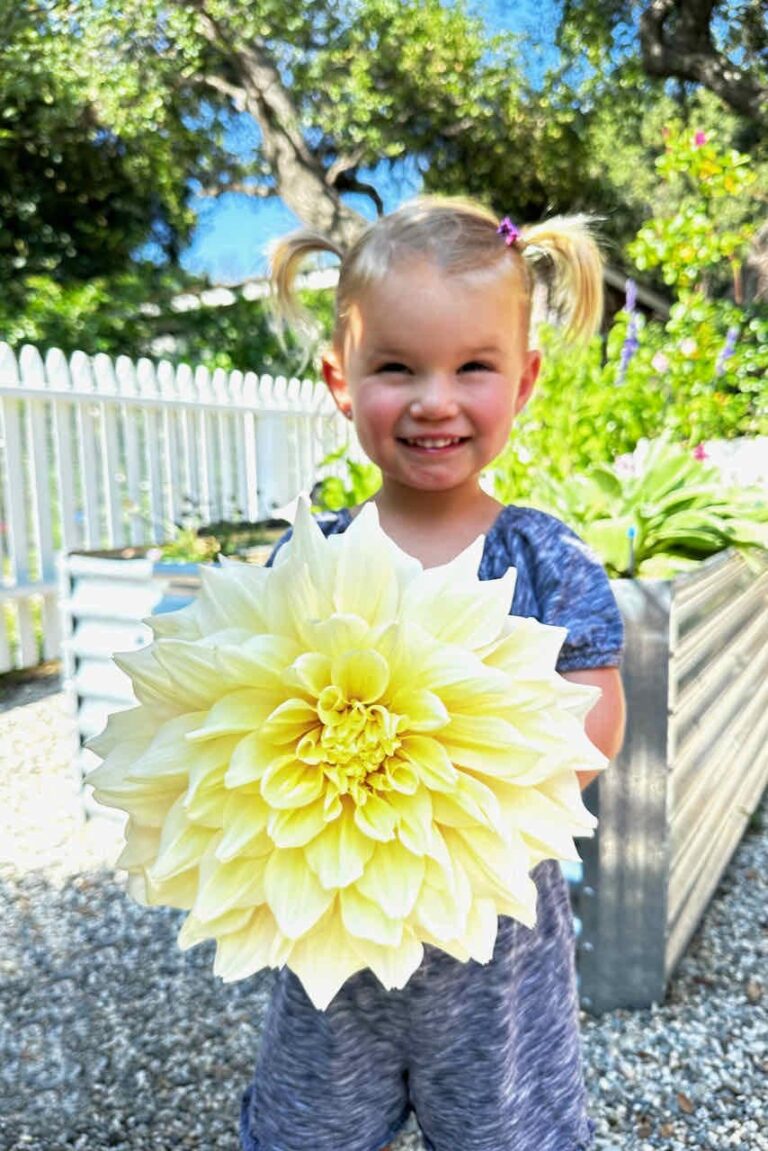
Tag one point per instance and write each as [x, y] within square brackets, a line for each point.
[392, 366]
[476, 366]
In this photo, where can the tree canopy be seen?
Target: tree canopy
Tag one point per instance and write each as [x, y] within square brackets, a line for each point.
[76, 196]
[719, 45]
[115, 117]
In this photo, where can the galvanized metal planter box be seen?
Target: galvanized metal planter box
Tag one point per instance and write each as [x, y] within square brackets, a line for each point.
[104, 598]
[672, 807]
[675, 803]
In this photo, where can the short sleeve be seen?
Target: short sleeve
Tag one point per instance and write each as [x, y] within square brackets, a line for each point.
[575, 593]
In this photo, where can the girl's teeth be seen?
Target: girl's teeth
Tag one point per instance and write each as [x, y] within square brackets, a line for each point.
[435, 443]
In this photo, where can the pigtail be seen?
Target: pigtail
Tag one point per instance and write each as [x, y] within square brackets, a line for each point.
[562, 252]
[285, 259]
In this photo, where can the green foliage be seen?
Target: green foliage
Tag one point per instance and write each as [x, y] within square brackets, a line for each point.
[193, 541]
[698, 375]
[136, 313]
[691, 243]
[656, 514]
[362, 480]
[76, 199]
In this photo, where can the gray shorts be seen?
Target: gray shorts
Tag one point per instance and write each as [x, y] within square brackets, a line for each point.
[487, 1056]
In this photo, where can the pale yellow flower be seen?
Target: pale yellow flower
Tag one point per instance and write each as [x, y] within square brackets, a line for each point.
[346, 756]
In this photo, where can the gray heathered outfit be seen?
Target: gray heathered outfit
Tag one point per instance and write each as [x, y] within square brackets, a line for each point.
[488, 1056]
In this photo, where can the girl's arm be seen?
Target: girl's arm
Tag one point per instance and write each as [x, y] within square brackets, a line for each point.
[605, 722]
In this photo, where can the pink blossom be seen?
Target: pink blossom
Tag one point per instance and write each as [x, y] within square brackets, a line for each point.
[700, 139]
[700, 452]
[660, 363]
[625, 466]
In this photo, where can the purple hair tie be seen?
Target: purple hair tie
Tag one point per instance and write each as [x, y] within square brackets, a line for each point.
[509, 231]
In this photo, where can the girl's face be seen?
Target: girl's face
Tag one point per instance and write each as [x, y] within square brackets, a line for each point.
[433, 370]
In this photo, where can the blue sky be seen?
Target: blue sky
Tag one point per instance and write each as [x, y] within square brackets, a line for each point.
[232, 233]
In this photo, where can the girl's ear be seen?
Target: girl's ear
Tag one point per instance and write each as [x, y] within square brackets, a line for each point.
[528, 378]
[337, 384]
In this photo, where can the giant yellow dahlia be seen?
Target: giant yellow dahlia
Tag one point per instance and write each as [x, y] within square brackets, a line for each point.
[346, 756]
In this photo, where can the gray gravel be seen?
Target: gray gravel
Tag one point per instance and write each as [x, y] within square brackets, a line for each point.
[110, 1037]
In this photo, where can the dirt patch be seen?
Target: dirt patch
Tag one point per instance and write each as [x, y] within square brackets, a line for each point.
[18, 688]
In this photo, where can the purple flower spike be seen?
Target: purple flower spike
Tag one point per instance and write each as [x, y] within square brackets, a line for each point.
[631, 296]
[629, 347]
[727, 350]
[509, 231]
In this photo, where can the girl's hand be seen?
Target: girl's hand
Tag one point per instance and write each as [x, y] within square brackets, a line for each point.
[605, 722]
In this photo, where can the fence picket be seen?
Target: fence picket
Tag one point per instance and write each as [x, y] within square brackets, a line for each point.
[59, 379]
[87, 412]
[111, 455]
[125, 375]
[96, 453]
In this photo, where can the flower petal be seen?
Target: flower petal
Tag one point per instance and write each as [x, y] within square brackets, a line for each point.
[243, 827]
[167, 756]
[258, 661]
[289, 722]
[243, 952]
[194, 931]
[237, 712]
[228, 887]
[250, 758]
[365, 919]
[431, 760]
[361, 675]
[232, 596]
[295, 827]
[294, 894]
[288, 782]
[376, 818]
[193, 670]
[479, 935]
[392, 879]
[444, 901]
[393, 966]
[366, 578]
[182, 845]
[340, 852]
[325, 958]
[487, 745]
[414, 819]
[421, 710]
[310, 672]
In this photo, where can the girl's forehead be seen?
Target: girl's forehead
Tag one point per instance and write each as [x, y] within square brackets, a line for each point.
[419, 300]
[421, 279]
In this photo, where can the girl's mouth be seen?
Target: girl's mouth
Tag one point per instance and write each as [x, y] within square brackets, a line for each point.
[433, 443]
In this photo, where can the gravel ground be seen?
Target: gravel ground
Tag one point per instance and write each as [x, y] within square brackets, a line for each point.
[110, 1037]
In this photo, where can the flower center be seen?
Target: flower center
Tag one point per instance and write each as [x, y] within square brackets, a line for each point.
[354, 742]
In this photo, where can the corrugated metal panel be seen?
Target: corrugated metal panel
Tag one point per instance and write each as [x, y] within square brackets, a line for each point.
[718, 731]
[675, 803]
[623, 904]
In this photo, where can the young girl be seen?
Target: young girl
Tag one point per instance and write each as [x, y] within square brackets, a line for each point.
[430, 359]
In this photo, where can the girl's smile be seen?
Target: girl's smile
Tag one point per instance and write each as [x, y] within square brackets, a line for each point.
[433, 368]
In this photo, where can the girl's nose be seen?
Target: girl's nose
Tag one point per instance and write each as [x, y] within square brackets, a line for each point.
[435, 398]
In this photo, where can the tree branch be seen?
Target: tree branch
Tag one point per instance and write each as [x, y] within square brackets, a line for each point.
[258, 191]
[348, 182]
[676, 41]
[219, 84]
[299, 173]
[343, 164]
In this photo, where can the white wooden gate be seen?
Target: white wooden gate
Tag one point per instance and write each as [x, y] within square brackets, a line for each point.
[101, 453]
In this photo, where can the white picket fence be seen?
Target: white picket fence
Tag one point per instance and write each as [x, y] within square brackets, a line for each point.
[102, 453]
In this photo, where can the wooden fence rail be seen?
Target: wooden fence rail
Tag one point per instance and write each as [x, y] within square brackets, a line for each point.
[103, 453]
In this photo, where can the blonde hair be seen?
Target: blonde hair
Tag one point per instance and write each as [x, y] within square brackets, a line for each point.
[460, 236]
